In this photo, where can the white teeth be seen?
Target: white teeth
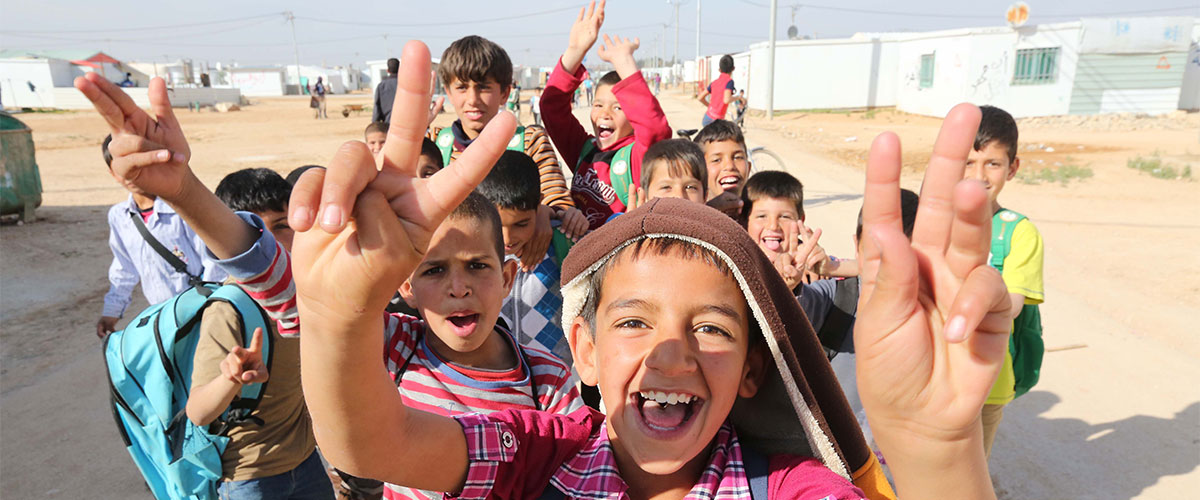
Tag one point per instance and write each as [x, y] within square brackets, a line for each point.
[667, 399]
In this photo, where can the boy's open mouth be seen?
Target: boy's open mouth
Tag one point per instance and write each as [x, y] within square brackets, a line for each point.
[604, 131]
[730, 182]
[463, 323]
[772, 242]
[666, 413]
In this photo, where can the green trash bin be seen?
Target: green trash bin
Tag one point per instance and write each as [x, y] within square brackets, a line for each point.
[20, 181]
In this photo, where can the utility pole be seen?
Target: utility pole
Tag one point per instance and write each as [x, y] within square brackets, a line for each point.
[771, 64]
[291, 18]
[675, 58]
[697, 29]
[663, 54]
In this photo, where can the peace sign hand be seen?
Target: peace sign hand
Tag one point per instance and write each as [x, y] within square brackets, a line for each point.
[375, 225]
[245, 365]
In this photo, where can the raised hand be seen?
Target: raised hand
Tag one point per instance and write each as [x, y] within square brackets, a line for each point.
[583, 34]
[574, 223]
[435, 107]
[636, 199]
[615, 48]
[245, 365]
[933, 317]
[792, 261]
[149, 153]
[361, 231]
[728, 203]
[534, 250]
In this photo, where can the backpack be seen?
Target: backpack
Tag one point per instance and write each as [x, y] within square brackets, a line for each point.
[837, 328]
[445, 142]
[620, 173]
[1025, 344]
[757, 474]
[149, 366]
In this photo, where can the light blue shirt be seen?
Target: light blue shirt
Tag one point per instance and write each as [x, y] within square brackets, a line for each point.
[135, 261]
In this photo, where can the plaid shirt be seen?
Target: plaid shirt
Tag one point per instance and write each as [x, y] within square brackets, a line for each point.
[533, 308]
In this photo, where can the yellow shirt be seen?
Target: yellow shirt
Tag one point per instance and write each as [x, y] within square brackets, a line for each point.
[1022, 274]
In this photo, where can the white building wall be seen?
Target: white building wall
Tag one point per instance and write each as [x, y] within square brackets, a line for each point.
[822, 74]
[1189, 93]
[181, 97]
[977, 66]
[258, 83]
[44, 74]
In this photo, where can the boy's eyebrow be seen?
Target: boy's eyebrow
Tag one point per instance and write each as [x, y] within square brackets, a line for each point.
[630, 304]
[723, 310]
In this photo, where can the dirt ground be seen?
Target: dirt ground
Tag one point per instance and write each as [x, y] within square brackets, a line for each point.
[1114, 416]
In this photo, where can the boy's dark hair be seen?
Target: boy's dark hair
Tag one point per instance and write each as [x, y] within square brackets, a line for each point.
[683, 157]
[610, 78]
[726, 64]
[771, 184]
[254, 190]
[430, 150]
[104, 150]
[513, 183]
[996, 125]
[718, 131]
[475, 59]
[908, 214]
[381, 127]
[477, 208]
[393, 65]
[656, 246]
[294, 175]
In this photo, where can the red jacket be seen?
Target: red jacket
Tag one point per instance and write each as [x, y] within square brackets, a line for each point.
[591, 186]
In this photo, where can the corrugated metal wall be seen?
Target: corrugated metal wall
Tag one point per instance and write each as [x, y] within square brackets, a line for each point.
[1136, 83]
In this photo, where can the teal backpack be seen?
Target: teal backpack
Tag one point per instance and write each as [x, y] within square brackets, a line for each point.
[620, 170]
[445, 142]
[1025, 344]
[149, 366]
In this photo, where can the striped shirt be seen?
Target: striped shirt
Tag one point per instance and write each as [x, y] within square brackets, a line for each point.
[521, 454]
[538, 147]
[428, 382]
[135, 261]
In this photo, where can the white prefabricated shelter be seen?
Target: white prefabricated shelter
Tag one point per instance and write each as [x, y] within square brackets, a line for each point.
[258, 82]
[332, 78]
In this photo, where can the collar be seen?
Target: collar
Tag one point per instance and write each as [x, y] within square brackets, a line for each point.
[160, 206]
[461, 141]
[593, 473]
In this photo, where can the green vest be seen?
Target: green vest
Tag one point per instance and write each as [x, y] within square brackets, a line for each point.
[445, 142]
[1025, 344]
[620, 171]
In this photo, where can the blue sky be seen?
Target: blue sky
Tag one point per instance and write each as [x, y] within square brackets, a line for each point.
[333, 32]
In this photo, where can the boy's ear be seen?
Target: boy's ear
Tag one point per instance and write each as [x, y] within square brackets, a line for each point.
[407, 293]
[509, 269]
[1012, 168]
[583, 348]
[754, 371]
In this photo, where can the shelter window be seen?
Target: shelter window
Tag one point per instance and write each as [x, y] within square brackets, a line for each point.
[927, 70]
[1036, 66]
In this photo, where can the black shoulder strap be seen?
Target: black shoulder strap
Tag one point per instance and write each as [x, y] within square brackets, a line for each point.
[158, 247]
[757, 473]
[837, 323]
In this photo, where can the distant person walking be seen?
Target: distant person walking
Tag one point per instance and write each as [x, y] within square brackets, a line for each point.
[719, 94]
[589, 88]
[319, 94]
[385, 93]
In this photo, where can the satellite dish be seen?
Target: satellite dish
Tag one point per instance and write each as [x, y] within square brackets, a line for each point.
[1017, 14]
[793, 32]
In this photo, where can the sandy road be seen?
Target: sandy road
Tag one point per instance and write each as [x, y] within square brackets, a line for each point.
[1117, 419]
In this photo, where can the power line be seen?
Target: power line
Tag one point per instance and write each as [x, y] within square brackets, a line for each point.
[144, 28]
[446, 23]
[958, 16]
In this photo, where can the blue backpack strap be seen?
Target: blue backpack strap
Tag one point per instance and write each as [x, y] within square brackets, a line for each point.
[757, 473]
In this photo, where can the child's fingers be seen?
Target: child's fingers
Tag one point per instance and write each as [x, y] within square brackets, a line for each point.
[352, 168]
[119, 97]
[971, 230]
[935, 211]
[449, 186]
[892, 297]
[160, 103]
[410, 111]
[881, 195]
[981, 305]
[306, 194]
[104, 105]
[256, 341]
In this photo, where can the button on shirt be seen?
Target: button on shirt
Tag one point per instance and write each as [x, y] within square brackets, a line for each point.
[135, 261]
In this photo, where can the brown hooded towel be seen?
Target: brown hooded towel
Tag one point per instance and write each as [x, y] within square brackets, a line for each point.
[800, 409]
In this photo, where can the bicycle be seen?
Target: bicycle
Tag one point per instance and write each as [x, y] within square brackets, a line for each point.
[761, 158]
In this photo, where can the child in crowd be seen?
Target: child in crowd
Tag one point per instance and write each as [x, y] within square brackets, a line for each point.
[535, 107]
[673, 168]
[773, 214]
[994, 161]
[478, 76]
[626, 120]
[375, 135]
[533, 309]
[430, 161]
[276, 457]
[718, 95]
[728, 163]
[135, 259]
[295, 174]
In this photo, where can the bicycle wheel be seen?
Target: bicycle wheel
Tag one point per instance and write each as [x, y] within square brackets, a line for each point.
[762, 159]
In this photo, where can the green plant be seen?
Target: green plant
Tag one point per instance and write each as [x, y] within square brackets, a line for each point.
[1159, 169]
[1062, 174]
